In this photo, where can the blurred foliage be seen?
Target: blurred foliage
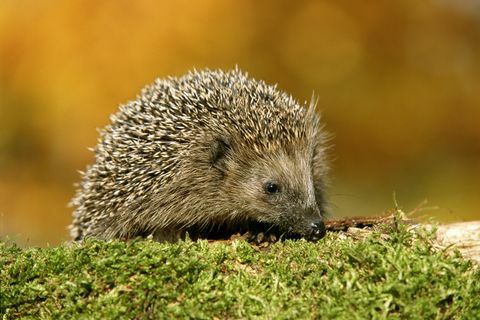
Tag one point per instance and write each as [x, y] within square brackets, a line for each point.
[398, 82]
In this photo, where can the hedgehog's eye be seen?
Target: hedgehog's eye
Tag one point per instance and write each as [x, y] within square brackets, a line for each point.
[271, 188]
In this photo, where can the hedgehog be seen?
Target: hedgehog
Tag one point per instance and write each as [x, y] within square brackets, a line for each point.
[211, 152]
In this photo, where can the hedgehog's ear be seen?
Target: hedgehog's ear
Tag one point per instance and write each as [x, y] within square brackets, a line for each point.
[219, 150]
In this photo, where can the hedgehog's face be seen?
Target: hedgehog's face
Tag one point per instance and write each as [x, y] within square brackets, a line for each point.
[279, 190]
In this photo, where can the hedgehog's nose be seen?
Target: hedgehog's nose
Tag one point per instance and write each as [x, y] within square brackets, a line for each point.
[317, 231]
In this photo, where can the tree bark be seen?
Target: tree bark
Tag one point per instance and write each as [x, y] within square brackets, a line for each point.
[465, 236]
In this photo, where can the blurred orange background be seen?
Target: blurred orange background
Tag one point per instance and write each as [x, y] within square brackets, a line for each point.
[398, 84]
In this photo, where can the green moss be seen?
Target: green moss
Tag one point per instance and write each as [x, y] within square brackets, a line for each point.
[402, 277]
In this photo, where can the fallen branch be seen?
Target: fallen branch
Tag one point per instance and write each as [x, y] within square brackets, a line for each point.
[464, 236]
[360, 222]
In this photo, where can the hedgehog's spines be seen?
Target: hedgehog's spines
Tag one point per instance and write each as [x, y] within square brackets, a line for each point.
[155, 155]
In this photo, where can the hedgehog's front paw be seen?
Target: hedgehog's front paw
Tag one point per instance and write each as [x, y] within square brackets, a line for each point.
[259, 237]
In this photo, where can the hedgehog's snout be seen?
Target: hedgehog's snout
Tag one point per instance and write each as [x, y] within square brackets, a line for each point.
[317, 231]
[315, 226]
